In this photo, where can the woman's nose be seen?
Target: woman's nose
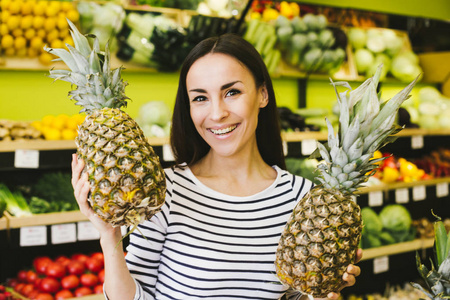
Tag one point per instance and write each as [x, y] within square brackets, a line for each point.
[218, 110]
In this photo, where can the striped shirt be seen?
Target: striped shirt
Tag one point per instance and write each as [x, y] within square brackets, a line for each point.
[208, 245]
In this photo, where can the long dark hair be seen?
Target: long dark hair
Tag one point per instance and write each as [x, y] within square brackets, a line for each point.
[187, 144]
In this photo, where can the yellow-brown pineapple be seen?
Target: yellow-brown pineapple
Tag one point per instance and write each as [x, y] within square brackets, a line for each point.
[126, 178]
[321, 237]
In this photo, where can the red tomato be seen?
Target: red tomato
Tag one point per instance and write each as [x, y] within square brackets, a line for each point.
[80, 257]
[31, 276]
[2, 297]
[49, 285]
[94, 265]
[89, 279]
[22, 276]
[63, 294]
[82, 291]
[12, 282]
[70, 282]
[18, 288]
[63, 260]
[101, 276]
[40, 264]
[33, 294]
[44, 296]
[98, 289]
[75, 267]
[37, 282]
[55, 270]
[27, 289]
[98, 255]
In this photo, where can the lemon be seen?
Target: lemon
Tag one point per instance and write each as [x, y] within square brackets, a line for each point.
[51, 133]
[52, 8]
[41, 33]
[68, 40]
[73, 15]
[80, 118]
[390, 175]
[26, 22]
[29, 33]
[20, 42]
[46, 58]
[17, 32]
[14, 7]
[48, 120]
[4, 4]
[72, 122]
[31, 52]
[3, 29]
[13, 22]
[38, 22]
[61, 14]
[7, 41]
[37, 124]
[62, 24]
[49, 24]
[26, 7]
[57, 43]
[36, 43]
[39, 8]
[5, 15]
[10, 51]
[68, 134]
[52, 35]
[66, 6]
[22, 52]
[63, 33]
[59, 122]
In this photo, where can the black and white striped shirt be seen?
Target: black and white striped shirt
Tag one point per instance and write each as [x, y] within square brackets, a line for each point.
[208, 245]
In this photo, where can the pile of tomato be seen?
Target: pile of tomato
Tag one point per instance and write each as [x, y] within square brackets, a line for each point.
[61, 278]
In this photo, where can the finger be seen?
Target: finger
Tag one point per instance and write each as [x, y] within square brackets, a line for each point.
[354, 270]
[82, 198]
[333, 295]
[349, 279]
[79, 187]
[359, 255]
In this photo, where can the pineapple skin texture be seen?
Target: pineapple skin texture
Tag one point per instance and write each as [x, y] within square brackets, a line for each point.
[127, 182]
[319, 241]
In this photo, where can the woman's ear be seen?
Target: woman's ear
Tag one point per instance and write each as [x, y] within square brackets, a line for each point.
[264, 96]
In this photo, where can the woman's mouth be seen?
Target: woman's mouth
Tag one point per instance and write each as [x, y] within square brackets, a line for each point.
[223, 131]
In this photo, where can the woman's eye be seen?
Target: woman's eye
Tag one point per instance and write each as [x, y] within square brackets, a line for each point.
[199, 99]
[233, 92]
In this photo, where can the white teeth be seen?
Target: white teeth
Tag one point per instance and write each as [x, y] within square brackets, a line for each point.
[223, 130]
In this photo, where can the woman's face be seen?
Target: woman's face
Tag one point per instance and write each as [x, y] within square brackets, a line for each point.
[224, 103]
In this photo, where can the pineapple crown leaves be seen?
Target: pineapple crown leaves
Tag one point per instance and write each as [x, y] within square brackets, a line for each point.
[365, 125]
[97, 86]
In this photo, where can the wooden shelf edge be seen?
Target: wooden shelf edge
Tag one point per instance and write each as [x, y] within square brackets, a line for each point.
[46, 219]
[399, 185]
[37, 145]
[398, 248]
[3, 223]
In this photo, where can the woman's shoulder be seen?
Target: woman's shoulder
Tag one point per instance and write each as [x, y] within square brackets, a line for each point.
[300, 185]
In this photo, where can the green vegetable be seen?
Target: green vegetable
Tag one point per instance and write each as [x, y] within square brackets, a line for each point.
[357, 37]
[440, 240]
[395, 218]
[386, 238]
[39, 206]
[371, 221]
[363, 59]
[16, 204]
[298, 25]
[2, 206]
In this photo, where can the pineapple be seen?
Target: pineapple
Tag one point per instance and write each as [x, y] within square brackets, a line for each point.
[322, 234]
[437, 280]
[127, 183]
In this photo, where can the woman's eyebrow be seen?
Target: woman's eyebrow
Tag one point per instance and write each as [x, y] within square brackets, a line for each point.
[223, 87]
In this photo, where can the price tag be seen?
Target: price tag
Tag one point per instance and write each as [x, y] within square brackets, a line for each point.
[64, 233]
[419, 193]
[285, 148]
[28, 159]
[33, 236]
[376, 198]
[417, 142]
[87, 231]
[442, 189]
[124, 230]
[380, 264]
[308, 146]
[167, 153]
[401, 195]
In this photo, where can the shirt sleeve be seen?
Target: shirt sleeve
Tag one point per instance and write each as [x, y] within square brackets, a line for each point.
[145, 247]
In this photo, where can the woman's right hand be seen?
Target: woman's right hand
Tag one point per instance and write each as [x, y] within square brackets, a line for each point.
[81, 189]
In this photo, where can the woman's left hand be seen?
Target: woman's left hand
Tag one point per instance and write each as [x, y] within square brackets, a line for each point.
[349, 276]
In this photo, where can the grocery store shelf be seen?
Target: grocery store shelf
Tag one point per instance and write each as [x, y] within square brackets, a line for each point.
[3, 223]
[424, 132]
[46, 219]
[398, 248]
[400, 185]
[11, 146]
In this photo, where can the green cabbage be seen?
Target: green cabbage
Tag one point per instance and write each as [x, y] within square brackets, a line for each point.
[395, 218]
[371, 221]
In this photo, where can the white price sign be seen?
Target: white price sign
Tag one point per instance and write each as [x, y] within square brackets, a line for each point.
[308, 146]
[442, 189]
[86, 231]
[64, 233]
[285, 148]
[417, 142]
[28, 159]
[419, 193]
[167, 153]
[33, 236]
[376, 198]
[401, 195]
[381, 264]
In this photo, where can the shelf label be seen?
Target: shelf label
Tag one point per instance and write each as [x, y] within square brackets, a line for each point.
[28, 159]
[417, 142]
[86, 231]
[64, 233]
[380, 264]
[33, 236]
[376, 198]
[308, 146]
[442, 189]
[419, 193]
[401, 195]
[167, 153]
[124, 230]
[285, 148]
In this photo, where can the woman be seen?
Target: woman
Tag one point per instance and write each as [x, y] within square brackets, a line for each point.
[228, 196]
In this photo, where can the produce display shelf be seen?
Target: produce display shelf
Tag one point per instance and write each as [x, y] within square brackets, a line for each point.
[3, 223]
[46, 219]
[400, 185]
[417, 244]
[89, 297]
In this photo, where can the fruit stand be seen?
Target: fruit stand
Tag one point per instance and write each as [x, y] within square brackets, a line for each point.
[24, 159]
